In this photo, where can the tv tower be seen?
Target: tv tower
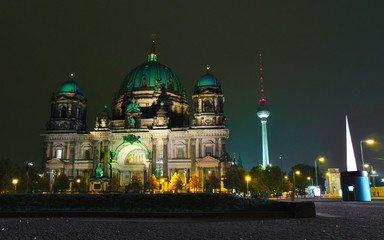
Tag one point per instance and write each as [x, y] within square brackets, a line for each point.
[263, 113]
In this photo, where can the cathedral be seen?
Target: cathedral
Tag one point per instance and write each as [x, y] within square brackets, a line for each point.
[148, 130]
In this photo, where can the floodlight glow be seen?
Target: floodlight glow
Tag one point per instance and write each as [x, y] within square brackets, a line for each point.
[209, 172]
[373, 172]
[366, 165]
[286, 177]
[247, 178]
[309, 178]
[78, 180]
[351, 160]
[370, 141]
[297, 172]
[321, 159]
[263, 114]
[15, 181]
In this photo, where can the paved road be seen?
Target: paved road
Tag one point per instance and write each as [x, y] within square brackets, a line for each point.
[335, 220]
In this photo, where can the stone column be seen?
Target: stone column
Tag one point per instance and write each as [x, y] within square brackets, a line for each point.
[73, 143]
[96, 157]
[215, 105]
[165, 157]
[68, 152]
[154, 156]
[106, 167]
[193, 156]
[49, 150]
[223, 148]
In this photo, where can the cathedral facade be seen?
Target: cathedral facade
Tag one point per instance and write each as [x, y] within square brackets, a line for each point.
[148, 130]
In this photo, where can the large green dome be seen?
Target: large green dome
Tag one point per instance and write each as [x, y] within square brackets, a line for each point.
[208, 80]
[151, 75]
[70, 86]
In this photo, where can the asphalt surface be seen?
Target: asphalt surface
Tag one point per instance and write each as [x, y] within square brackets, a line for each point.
[335, 220]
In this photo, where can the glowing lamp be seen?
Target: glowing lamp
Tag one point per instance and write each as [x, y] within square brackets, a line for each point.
[370, 141]
[15, 181]
[297, 172]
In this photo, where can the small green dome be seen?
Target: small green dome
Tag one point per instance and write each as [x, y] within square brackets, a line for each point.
[151, 74]
[70, 86]
[208, 80]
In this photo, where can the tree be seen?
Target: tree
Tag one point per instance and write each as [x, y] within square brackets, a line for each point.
[211, 183]
[80, 185]
[42, 184]
[234, 179]
[301, 181]
[114, 184]
[61, 184]
[8, 171]
[136, 185]
[176, 183]
[152, 184]
[194, 183]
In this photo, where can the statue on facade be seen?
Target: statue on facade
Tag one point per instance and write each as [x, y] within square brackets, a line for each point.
[132, 120]
[99, 172]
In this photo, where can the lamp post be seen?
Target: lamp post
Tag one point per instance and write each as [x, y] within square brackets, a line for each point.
[310, 179]
[15, 181]
[30, 164]
[162, 184]
[372, 172]
[281, 175]
[321, 160]
[247, 178]
[294, 181]
[369, 141]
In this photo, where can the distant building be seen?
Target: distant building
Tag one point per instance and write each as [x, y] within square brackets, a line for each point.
[333, 186]
[146, 131]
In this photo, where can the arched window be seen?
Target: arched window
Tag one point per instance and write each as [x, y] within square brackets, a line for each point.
[208, 105]
[63, 112]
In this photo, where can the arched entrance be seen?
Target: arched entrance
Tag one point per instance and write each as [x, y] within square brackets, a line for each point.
[131, 159]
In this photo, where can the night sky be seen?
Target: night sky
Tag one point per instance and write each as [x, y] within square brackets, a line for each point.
[321, 61]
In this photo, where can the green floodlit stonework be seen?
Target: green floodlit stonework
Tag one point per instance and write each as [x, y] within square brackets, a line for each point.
[134, 106]
[151, 75]
[131, 139]
[208, 80]
[70, 86]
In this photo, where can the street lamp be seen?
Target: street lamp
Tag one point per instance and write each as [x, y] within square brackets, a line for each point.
[369, 141]
[15, 181]
[247, 178]
[78, 180]
[309, 179]
[321, 160]
[162, 184]
[30, 164]
[294, 182]
[372, 172]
